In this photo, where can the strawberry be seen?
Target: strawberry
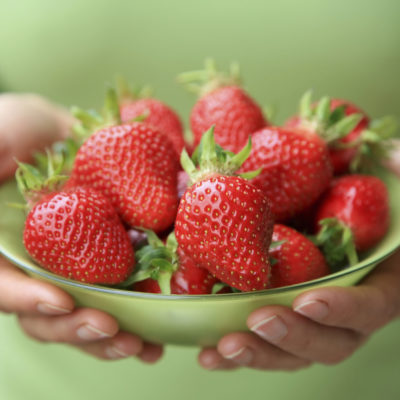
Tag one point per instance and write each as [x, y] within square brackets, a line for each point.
[354, 209]
[133, 165]
[165, 268]
[295, 168]
[324, 118]
[355, 143]
[136, 168]
[224, 223]
[77, 234]
[148, 286]
[158, 115]
[341, 158]
[226, 105]
[296, 259]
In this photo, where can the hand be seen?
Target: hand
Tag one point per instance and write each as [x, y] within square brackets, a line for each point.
[46, 313]
[324, 326]
[28, 123]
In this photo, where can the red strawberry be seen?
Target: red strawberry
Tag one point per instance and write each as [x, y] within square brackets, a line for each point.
[296, 260]
[226, 105]
[335, 111]
[224, 223]
[148, 286]
[134, 103]
[295, 168]
[159, 116]
[78, 235]
[359, 203]
[136, 168]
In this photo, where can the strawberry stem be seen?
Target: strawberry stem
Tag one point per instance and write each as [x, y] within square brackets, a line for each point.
[211, 159]
[91, 120]
[33, 185]
[155, 261]
[330, 125]
[336, 241]
[374, 144]
[127, 94]
[209, 79]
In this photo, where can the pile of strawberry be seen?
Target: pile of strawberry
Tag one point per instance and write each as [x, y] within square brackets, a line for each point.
[250, 205]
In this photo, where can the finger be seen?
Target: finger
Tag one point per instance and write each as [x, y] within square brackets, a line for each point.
[247, 349]
[151, 352]
[210, 359]
[21, 294]
[122, 345]
[82, 325]
[301, 337]
[363, 308]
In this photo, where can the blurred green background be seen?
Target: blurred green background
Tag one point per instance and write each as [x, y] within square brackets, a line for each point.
[67, 50]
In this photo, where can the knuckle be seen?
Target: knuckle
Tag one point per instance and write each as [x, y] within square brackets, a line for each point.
[345, 350]
[27, 329]
[385, 309]
[303, 343]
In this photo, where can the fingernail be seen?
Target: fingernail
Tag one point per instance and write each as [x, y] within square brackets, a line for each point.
[314, 309]
[242, 356]
[272, 329]
[89, 332]
[50, 309]
[115, 353]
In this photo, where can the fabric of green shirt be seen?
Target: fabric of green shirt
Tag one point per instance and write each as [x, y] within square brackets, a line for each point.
[67, 50]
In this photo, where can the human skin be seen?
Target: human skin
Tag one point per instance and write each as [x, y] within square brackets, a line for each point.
[324, 326]
[45, 312]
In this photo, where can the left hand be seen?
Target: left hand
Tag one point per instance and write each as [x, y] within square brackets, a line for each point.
[28, 123]
[324, 325]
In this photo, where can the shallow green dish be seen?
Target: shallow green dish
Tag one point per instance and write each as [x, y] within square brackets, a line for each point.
[183, 320]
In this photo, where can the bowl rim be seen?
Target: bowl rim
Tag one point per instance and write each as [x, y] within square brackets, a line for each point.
[367, 262]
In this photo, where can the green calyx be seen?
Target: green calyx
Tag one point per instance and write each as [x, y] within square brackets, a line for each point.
[374, 144]
[330, 125]
[155, 261]
[91, 120]
[126, 93]
[336, 241]
[34, 184]
[211, 159]
[62, 154]
[209, 79]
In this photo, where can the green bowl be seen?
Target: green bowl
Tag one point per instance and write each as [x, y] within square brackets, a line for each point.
[184, 320]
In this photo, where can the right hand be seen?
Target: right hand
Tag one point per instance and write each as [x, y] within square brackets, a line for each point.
[48, 314]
